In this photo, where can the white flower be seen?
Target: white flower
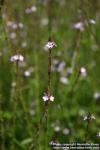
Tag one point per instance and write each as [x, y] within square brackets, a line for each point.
[58, 65]
[13, 84]
[31, 9]
[69, 70]
[83, 71]
[24, 44]
[91, 117]
[9, 23]
[50, 45]
[79, 26]
[44, 21]
[56, 128]
[14, 25]
[28, 10]
[85, 118]
[98, 135]
[17, 57]
[96, 95]
[47, 98]
[61, 66]
[20, 25]
[64, 80]
[13, 35]
[66, 131]
[32, 112]
[28, 72]
[82, 112]
[51, 98]
[92, 21]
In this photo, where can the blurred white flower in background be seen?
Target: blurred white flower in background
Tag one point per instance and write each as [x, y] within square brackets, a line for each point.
[79, 26]
[28, 72]
[12, 24]
[44, 21]
[20, 25]
[28, 10]
[92, 21]
[61, 66]
[32, 112]
[98, 135]
[57, 65]
[13, 35]
[66, 131]
[15, 25]
[31, 9]
[13, 84]
[17, 57]
[85, 118]
[83, 71]
[57, 128]
[69, 70]
[9, 23]
[82, 112]
[55, 62]
[96, 95]
[24, 44]
[64, 80]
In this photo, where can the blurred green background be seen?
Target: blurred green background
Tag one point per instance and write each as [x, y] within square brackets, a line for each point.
[25, 27]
